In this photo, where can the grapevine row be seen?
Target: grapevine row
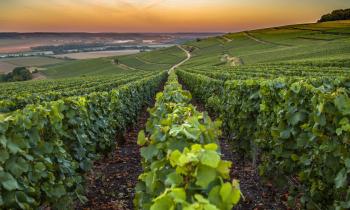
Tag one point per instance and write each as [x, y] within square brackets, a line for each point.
[298, 129]
[38, 86]
[42, 86]
[20, 100]
[270, 71]
[182, 165]
[46, 148]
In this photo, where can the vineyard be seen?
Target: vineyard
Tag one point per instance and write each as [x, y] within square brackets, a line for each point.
[47, 147]
[181, 157]
[141, 134]
[296, 129]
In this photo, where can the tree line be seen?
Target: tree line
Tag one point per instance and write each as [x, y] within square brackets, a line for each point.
[340, 14]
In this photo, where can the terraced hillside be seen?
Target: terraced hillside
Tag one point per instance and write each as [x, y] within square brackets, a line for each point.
[317, 43]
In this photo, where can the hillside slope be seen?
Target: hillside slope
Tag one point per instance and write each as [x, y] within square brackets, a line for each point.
[320, 42]
[325, 43]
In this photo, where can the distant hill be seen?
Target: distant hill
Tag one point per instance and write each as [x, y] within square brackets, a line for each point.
[340, 14]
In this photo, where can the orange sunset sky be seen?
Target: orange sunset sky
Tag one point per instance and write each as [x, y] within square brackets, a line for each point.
[158, 15]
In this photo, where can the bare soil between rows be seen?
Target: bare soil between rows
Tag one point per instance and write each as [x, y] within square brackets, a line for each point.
[111, 183]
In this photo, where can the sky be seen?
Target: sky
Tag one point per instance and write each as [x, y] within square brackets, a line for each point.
[158, 15]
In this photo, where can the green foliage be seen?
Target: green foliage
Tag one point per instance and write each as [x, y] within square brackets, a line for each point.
[270, 71]
[46, 148]
[297, 127]
[181, 159]
[18, 95]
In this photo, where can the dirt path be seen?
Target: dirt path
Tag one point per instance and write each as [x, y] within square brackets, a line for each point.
[188, 54]
[227, 39]
[172, 68]
[111, 183]
[257, 195]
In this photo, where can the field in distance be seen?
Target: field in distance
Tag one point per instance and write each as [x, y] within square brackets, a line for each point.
[8, 64]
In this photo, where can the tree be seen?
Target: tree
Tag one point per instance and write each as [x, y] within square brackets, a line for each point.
[21, 74]
[17, 74]
[340, 14]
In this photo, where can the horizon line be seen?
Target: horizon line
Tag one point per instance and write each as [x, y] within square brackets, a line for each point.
[86, 32]
[198, 32]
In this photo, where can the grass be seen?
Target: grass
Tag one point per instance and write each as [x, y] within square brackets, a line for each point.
[32, 61]
[8, 64]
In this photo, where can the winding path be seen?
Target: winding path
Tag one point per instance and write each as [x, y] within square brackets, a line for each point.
[183, 61]
[227, 39]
